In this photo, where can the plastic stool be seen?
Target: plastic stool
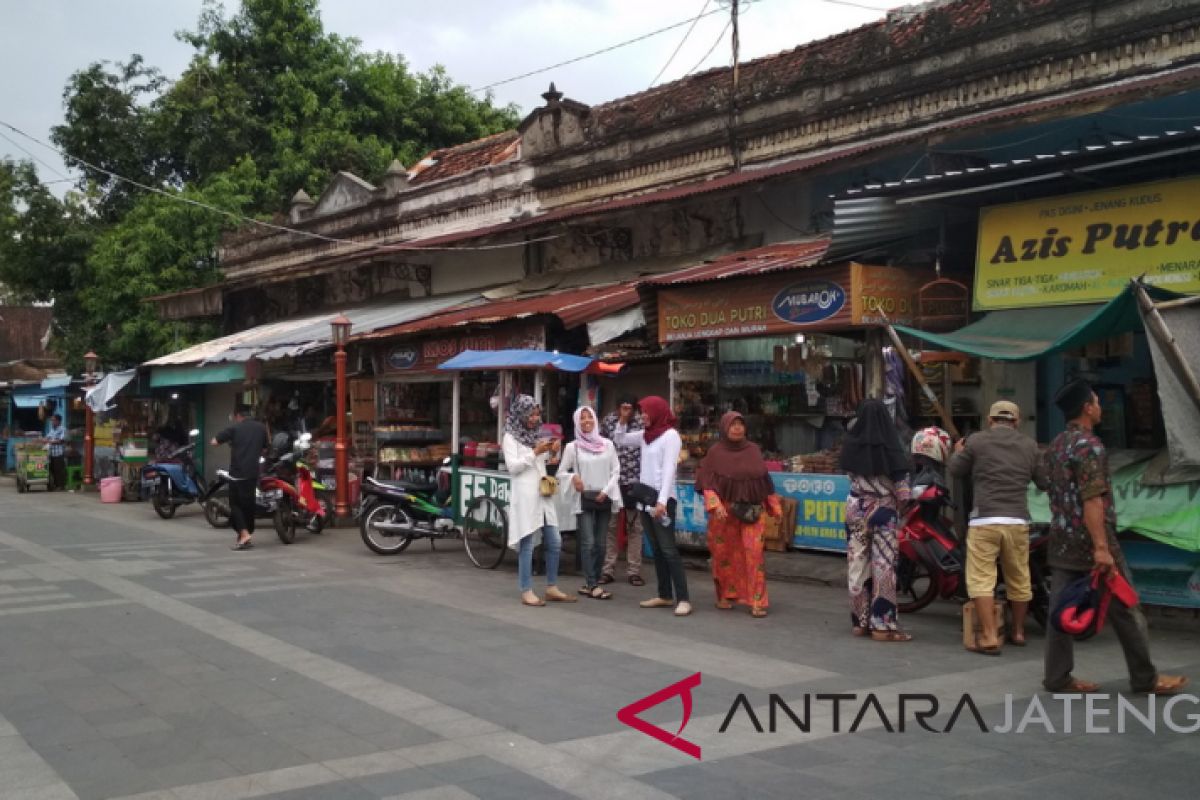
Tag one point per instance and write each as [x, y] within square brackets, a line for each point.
[74, 477]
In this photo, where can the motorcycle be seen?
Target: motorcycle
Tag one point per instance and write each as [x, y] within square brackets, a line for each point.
[174, 481]
[304, 502]
[931, 562]
[393, 513]
[216, 500]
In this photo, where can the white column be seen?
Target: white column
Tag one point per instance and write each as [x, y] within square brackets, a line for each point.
[455, 411]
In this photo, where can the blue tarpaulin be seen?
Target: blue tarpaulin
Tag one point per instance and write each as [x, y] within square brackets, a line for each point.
[526, 359]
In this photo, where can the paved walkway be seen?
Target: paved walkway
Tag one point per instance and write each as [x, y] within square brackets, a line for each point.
[141, 657]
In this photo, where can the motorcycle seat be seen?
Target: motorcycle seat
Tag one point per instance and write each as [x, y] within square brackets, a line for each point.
[406, 486]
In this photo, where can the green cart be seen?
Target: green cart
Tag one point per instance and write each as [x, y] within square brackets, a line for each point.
[33, 466]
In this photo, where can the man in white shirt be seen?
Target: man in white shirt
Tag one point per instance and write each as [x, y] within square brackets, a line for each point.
[57, 438]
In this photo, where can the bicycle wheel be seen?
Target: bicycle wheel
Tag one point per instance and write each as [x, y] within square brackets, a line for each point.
[485, 532]
[391, 540]
[915, 587]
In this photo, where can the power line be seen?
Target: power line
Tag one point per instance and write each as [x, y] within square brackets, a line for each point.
[720, 38]
[679, 46]
[35, 158]
[269, 225]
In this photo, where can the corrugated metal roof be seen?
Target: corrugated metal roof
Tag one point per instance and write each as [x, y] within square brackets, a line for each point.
[573, 306]
[296, 336]
[759, 261]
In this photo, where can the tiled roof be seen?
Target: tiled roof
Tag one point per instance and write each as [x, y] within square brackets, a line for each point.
[22, 329]
[758, 261]
[573, 306]
[779, 73]
[450, 161]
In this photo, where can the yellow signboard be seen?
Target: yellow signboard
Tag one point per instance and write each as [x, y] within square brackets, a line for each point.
[1084, 248]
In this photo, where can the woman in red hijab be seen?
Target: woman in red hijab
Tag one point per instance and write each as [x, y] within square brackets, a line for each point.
[738, 493]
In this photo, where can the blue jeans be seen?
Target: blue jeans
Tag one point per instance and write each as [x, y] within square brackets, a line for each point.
[592, 528]
[552, 541]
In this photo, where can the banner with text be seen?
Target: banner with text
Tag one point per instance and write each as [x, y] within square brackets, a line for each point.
[824, 298]
[1084, 248]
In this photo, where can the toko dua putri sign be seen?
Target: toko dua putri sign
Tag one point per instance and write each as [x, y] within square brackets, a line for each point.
[1084, 248]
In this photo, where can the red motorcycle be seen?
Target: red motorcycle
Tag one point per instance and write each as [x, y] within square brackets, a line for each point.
[931, 562]
[299, 504]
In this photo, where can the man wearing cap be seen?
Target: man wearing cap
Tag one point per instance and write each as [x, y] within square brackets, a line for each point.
[1001, 462]
[1083, 537]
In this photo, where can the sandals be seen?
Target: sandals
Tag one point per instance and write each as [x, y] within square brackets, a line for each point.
[586, 590]
[891, 636]
[537, 602]
[1168, 684]
[246, 545]
[554, 595]
[857, 631]
[634, 580]
[994, 650]
[608, 579]
[1077, 686]
[599, 593]
[758, 613]
[1015, 642]
[724, 605]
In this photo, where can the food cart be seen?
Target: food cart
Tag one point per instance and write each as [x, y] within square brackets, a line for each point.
[479, 494]
[33, 466]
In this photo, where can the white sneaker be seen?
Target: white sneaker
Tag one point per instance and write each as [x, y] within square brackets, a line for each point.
[656, 602]
[683, 609]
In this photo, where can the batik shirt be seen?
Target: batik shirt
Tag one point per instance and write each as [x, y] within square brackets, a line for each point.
[1077, 464]
[630, 457]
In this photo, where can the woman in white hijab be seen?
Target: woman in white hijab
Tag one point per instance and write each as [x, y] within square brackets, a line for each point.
[591, 466]
[529, 511]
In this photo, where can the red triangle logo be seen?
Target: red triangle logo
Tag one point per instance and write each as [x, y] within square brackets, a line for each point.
[629, 715]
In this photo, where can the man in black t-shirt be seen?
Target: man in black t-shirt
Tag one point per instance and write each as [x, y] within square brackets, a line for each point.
[247, 440]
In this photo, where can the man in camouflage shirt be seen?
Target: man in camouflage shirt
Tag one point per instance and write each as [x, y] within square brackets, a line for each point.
[1083, 537]
[631, 473]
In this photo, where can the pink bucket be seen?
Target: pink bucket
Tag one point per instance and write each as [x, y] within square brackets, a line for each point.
[111, 490]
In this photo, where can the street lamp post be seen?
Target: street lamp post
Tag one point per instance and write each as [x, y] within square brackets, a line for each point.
[90, 363]
[341, 332]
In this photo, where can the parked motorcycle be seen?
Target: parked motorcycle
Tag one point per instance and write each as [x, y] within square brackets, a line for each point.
[393, 513]
[174, 481]
[216, 500]
[304, 502]
[931, 561]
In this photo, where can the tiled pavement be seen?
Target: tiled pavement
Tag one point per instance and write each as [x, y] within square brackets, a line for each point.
[140, 657]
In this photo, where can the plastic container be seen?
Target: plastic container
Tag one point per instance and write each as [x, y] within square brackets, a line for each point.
[111, 489]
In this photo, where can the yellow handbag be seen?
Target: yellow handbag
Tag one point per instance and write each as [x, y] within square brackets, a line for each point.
[548, 485]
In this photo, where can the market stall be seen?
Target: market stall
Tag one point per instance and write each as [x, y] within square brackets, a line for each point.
[793, 352]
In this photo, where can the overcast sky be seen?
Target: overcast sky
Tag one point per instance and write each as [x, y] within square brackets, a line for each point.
[479, 42]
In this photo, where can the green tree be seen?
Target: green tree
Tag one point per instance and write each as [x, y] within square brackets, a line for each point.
[270, 103]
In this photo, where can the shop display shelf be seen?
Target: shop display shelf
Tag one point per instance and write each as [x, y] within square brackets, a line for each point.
[410, 437]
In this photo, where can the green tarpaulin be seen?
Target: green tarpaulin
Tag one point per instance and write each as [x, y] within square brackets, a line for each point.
[1026, 334]
[1168, 514]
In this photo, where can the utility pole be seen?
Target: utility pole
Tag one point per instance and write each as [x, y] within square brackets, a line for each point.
[734, 115]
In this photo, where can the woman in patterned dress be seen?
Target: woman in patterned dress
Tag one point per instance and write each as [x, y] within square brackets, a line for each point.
[738, 492]
[876, 464]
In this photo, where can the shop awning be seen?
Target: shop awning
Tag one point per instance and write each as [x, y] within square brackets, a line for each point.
[527, 359]
[1027, 334]
[195, 375]
[29, 400]
[758, 261]
[295, 337]
[56, 382]
[100, 397]
[573, 306]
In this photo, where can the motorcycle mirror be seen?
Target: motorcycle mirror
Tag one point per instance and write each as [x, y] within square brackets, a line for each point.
[194, 432]
[304, 439]
[262, 460]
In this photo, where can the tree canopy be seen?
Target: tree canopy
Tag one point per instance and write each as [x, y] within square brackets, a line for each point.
[270, 103]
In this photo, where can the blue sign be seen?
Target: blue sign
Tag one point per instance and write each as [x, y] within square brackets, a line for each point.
[403, 357]
[820, 508]
[809, 301]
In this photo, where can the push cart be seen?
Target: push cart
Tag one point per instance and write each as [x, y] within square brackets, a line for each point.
[33, 466]
[479, 495]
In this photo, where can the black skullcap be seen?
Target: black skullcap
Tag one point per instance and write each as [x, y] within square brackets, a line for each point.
[1071, 397]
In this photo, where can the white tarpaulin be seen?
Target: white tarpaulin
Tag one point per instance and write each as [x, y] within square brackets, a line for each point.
[1179, 409]
[608, 328]
[101, 396]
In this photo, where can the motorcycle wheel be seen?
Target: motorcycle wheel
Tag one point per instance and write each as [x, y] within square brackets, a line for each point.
[386, 543]
[915, 586]
[285, 521]
[216, 510]
[162, 503]
[485, 532]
